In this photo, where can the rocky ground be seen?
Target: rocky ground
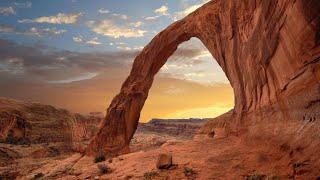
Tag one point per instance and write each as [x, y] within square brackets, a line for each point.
[21, 160]
[200, 148]
[221, 157]
[22, 150]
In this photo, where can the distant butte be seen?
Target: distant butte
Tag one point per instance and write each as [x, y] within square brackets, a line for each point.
[269, 51]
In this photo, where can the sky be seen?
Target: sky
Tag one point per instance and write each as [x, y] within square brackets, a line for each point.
[75, 54]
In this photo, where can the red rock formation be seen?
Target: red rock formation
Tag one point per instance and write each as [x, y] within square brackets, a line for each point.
[33, 123]
[269, 50]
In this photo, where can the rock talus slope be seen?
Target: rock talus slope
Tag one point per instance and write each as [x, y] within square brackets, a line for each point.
[269, 51]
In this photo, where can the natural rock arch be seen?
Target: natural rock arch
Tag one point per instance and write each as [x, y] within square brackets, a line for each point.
[253, 41]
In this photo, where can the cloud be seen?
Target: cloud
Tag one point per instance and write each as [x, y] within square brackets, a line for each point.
[111, 29]
[94, 41]
[80, 39]
[12, 65]
[121, 16]
[81, 77]
[4, 28]
[151, 18]
[23, 4]
[103, 11]
[60, 18]
[77, 81]
[46, 31]
[33, 31]
[7, 11]
[45, 64]
[188, 10]
[163, 10]
[136, 24]
[128, 48]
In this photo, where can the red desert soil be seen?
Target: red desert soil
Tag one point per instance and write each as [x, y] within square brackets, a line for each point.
[269, 149]
[209, 158]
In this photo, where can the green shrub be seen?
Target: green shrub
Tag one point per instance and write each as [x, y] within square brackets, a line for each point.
[188, 171]
[104, 169]
[99, 158]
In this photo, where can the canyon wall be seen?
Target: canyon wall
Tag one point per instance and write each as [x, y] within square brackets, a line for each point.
[269, 51]
[34, 123]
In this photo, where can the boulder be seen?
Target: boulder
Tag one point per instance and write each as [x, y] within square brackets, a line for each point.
[164, 161]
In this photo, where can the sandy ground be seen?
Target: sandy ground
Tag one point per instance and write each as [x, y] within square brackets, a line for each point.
[202, 158]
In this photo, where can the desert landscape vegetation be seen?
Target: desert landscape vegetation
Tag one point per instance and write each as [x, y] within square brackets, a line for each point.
[269, 52]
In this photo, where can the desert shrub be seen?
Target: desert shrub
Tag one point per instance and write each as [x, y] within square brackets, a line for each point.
[256, 176]
[104, 169]
[10, 139]
[188, 171]
[38, 176]
[149, 175]
[99, 158]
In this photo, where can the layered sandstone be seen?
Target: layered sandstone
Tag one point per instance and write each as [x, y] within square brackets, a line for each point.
[34, 123]
[269, 51]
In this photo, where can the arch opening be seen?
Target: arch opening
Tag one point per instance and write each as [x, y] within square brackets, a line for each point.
[191, 84]
[123, 114]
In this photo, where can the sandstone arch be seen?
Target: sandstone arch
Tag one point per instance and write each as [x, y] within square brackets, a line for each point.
[269, 51]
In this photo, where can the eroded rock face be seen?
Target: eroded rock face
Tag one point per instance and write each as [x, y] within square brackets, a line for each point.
[269, 51]
[34, 123]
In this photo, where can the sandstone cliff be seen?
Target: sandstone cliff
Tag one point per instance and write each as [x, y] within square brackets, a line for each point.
[269, 51]
[34, 123]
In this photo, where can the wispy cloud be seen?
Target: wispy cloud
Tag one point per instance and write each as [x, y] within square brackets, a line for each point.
[33, 31]
[7, 11]
[81, 77]
[121, 16]
[163, 10]
[150, 18]
[136, 24]
[188, 9]
[4, 28]
[123, 46]
[80, 39]
[27, 4]
[103, 11]
[60, 18]
[46, 31]
[38, 63]
[111, 29]
[12, 65]
[94, 41]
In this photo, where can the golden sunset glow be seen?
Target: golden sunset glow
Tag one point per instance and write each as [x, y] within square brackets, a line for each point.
[82, 69]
